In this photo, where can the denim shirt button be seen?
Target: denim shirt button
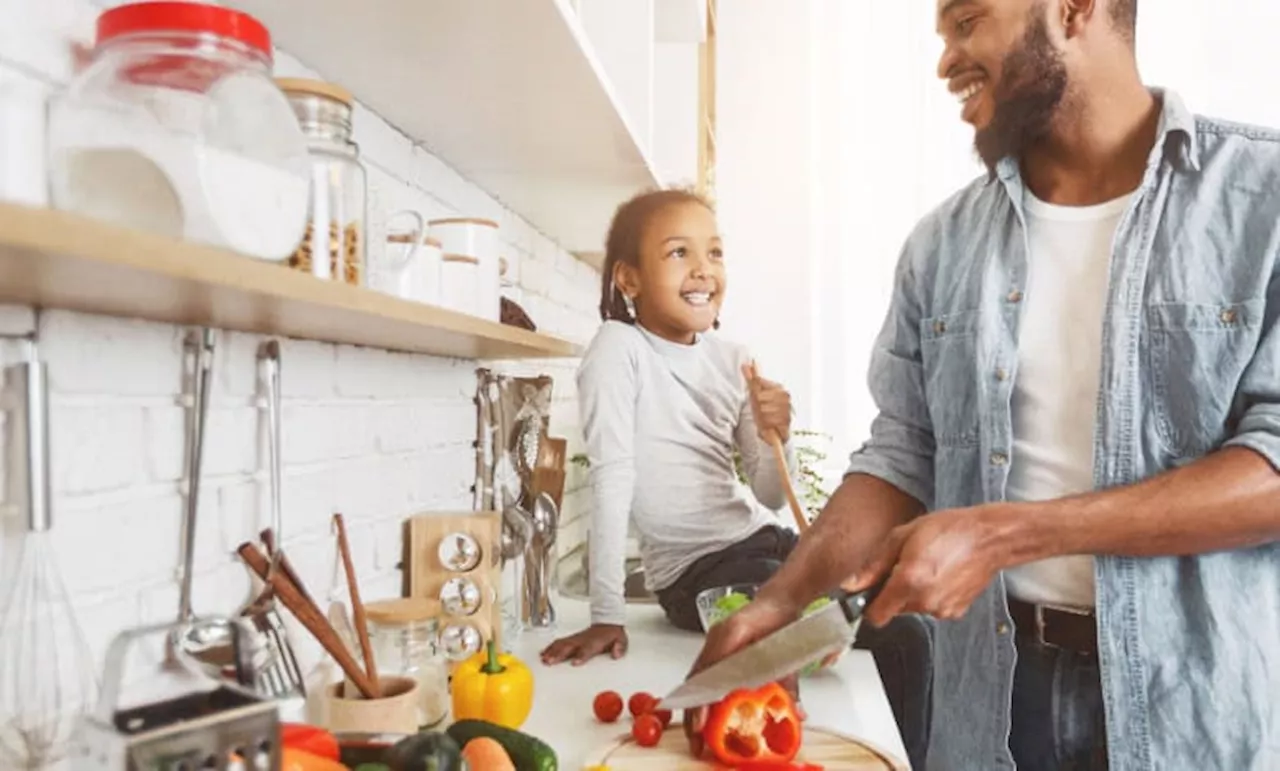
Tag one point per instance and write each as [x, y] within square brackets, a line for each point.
[1014, 296]
[1002, 629]
[999, 459]
[939, 327]
[1001, 374]
[1228, 316]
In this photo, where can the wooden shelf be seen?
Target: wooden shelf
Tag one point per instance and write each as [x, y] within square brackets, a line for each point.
[55, 259]
[508, 92]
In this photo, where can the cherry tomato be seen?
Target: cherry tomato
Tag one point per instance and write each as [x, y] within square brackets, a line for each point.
[641, 704]
[647, 730]
[607, 706]
[664, 717]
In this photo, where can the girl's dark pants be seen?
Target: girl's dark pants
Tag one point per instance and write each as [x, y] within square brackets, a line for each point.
[901, 649]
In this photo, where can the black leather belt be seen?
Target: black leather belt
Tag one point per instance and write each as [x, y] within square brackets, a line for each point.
[1056, 626]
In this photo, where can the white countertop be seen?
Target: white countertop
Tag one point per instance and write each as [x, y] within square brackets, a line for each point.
[848, 698]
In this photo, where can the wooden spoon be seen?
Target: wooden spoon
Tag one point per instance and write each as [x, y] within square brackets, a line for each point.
[780, 457]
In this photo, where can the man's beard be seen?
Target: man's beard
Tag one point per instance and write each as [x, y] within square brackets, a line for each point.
[1033, 83]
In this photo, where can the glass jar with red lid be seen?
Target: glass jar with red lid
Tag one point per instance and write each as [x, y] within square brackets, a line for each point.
[176, 126]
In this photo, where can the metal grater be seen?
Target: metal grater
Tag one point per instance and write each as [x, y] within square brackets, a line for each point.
[226, 727]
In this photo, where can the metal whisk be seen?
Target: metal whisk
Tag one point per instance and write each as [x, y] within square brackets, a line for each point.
[47, 674]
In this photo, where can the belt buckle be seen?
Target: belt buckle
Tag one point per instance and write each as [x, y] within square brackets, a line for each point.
[1039, 615]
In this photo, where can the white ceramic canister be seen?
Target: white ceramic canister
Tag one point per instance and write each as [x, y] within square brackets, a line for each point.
[460, 284]
[471, 237]
[413, 268]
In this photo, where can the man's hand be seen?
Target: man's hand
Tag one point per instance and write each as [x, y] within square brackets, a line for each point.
[770, 405]
[755, 620]
[936, 564]
[595, 640]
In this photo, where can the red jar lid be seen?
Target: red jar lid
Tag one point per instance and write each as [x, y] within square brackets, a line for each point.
[184, 17]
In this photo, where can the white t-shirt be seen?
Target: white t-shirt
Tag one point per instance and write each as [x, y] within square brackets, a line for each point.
[1055, 391]
[661, 421]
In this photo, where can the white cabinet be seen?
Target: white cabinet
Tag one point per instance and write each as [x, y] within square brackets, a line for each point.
[650, 51]
[680, 21]
[622, 35]
[676, 110]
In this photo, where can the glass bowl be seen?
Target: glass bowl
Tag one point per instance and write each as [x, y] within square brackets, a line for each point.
[719, 602]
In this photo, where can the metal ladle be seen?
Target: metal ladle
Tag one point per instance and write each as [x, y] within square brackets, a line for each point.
[209, 642]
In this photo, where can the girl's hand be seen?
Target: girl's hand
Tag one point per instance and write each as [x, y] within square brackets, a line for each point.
[595, 640]
[770, 404]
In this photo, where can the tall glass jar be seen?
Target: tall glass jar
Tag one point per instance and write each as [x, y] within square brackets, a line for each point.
[175, 126]
[405, 635]
[334, 246]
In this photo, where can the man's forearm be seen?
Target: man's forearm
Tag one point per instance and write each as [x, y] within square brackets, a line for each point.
[1227, 500]
[857, 518]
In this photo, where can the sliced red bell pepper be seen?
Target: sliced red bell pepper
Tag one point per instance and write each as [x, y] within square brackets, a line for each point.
[754, 726]
[778, 766]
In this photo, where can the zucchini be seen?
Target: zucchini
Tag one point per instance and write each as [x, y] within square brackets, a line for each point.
[527, 752]
[426, 751]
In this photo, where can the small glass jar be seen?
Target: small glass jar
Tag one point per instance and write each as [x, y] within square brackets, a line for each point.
[176, 127]
[335, 243]
[405, 635]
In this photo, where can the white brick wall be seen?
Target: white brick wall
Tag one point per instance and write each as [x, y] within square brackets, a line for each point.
[373, 434]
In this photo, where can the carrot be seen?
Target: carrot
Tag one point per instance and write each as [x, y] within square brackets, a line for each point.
[485, 754]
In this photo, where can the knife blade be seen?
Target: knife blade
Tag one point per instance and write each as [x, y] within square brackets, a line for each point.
[790, 649]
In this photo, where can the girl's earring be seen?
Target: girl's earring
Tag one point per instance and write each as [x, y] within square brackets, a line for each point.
[631, 305]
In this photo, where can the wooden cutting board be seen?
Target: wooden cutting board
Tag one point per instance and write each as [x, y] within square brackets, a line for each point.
[831, 750]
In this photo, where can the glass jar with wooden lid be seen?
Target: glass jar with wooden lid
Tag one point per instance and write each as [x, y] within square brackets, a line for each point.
[405, 634]
[334, 246]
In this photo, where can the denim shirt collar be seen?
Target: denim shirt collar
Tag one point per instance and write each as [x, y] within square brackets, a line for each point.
[1175, 139]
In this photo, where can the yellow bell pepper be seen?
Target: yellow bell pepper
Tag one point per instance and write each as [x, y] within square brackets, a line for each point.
[493, 687]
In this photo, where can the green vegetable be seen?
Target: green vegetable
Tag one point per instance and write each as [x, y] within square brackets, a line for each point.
[818, 603]
[527, 753]
[732, 602]
[426, 751]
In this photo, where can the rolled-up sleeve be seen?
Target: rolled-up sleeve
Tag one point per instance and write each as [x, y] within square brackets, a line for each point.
[1259, 389]
[900, 450]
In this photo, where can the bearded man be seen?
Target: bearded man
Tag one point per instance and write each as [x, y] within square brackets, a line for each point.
[1072, 476]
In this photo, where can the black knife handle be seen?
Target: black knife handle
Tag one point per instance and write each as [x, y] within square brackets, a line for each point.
[854, 604]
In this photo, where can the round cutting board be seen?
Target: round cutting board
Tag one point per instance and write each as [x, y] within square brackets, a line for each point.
[832, 751]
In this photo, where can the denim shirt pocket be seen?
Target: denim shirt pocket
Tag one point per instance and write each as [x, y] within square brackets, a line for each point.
[1197, 353]
[949, 351]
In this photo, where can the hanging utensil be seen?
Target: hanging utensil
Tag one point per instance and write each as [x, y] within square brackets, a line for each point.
[282, 676]
[220, 647]
[46, 669]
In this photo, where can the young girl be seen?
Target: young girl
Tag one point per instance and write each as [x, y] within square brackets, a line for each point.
[664, 405]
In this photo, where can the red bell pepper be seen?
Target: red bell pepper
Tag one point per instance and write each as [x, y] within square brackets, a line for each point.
[309, 738]
[754, 726]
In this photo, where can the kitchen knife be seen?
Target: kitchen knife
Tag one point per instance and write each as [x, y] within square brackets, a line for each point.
[804, 641]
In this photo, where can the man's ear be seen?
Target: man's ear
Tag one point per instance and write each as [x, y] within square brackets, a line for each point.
[1075, 15]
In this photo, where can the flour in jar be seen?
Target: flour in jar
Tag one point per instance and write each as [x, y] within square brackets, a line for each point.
[179, 186]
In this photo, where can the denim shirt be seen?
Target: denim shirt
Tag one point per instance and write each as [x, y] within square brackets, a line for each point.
[1189, 647]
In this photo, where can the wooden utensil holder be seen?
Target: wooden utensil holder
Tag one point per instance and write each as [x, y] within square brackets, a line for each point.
[426, 574]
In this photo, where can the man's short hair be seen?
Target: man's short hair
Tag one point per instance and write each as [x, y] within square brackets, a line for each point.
[1124, 14]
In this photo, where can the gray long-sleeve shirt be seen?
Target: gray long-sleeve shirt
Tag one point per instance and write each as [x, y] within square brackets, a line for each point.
[661, 421]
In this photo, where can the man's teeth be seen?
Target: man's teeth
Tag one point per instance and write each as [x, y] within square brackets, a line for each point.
[969, 92]
[697, 298]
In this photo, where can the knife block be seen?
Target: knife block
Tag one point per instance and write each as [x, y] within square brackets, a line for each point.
[426, 575]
